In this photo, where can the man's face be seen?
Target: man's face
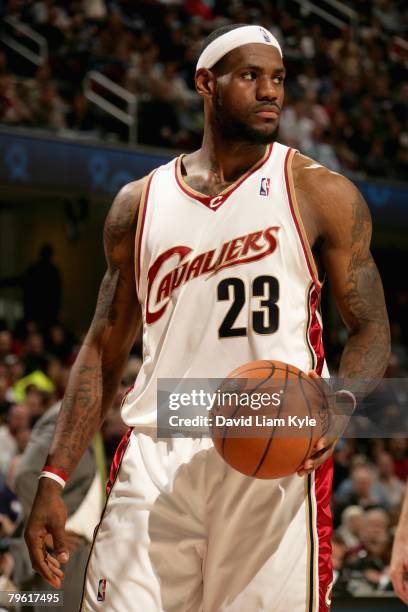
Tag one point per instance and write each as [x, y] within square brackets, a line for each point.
[249, 93]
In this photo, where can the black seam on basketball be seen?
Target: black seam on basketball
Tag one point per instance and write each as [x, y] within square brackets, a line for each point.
[300, 380]
[225, 429]
[271, 436]
[306, 378]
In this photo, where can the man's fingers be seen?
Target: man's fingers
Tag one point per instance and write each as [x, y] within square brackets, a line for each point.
[60, 548]
[40, 564]
[398, 575]
[313, 462]
[400, 585]
[54, 565]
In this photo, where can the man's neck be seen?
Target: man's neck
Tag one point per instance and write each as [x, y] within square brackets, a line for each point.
[225, 158]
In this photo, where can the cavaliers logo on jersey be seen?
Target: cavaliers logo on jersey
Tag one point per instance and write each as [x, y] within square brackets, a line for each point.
[161, 283]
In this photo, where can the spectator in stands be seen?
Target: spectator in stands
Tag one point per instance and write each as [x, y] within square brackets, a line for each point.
[34, 356]
[81, 116]
[390, 487]
[361, 489]
[369, 562]
[18, 419]
[322, 150]
[351, 524]
[50, 110]
[13, 111]
[42, 289]
[342, 457]
[338, 559]
[6, 344]
[398, 448]
[60, 343]
[5, 403]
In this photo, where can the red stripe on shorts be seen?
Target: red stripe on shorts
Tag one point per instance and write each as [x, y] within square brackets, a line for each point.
[323, 491]
[117, 458]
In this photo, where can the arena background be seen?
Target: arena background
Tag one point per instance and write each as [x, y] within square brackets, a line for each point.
[94, 94]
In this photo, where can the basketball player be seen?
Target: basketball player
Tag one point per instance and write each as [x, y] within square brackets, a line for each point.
[399, 557]
[230, 244]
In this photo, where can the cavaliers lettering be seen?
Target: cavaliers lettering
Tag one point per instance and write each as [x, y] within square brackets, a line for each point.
[162, 282]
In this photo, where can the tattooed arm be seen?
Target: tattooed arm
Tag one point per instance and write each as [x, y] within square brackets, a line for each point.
[93, 381]
[337, 219]
[356, 284]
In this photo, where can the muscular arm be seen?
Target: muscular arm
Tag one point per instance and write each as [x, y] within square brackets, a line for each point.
[337, 219]
[92, 384]
[342, 223]
[97, 371]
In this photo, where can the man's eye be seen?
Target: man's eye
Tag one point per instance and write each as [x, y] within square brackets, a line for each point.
[249, 76]
[278, 79]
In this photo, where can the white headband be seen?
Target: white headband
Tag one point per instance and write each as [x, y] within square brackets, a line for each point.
[233, 39]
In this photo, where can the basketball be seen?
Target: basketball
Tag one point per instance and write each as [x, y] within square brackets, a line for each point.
[276, 415]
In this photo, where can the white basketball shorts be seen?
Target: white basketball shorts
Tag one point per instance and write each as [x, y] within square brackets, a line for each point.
[184, 532]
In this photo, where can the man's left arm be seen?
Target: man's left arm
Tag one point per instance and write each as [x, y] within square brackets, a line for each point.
[345, 227]
[357, 287]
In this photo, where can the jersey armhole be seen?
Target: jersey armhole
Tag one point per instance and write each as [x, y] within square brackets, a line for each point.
[294, 209]
[140, 227]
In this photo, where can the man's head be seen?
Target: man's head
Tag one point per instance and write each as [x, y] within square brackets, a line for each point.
[240, 76]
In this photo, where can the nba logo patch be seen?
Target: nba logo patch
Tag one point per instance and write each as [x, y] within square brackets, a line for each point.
[266, 35]
[264, 190]
[101, 589]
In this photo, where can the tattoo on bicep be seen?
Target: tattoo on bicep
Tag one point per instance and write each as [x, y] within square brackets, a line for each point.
[364, 296]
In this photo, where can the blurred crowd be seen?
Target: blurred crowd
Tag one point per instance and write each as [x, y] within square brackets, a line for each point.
[346, 97]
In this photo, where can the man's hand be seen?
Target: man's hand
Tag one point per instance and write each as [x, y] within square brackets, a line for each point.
[324, 446]
[45, 532]
[399, 565]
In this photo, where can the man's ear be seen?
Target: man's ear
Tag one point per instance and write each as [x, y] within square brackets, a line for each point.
[205, 82]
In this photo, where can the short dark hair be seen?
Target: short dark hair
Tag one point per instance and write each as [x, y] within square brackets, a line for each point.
[216, 34]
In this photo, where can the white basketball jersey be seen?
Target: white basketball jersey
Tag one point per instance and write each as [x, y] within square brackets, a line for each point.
[223, 280]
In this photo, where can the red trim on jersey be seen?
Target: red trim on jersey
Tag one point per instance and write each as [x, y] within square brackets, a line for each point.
[117, 459]
[214, 203]
[315, 331]
[296, 220]
[323, 490]
[53, 470]
[139, 243]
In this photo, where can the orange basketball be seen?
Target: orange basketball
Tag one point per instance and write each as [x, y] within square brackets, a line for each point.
[269, 436]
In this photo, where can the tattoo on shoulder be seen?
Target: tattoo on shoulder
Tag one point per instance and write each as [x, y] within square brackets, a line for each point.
[361, 223]
[122, 216]
[119, 231]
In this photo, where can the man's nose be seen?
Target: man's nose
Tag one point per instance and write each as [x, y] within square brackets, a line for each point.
[267, 89]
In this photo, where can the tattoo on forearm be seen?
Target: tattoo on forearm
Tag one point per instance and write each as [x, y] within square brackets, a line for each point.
[366, 353]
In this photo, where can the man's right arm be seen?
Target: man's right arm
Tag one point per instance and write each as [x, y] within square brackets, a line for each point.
[93, 381]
